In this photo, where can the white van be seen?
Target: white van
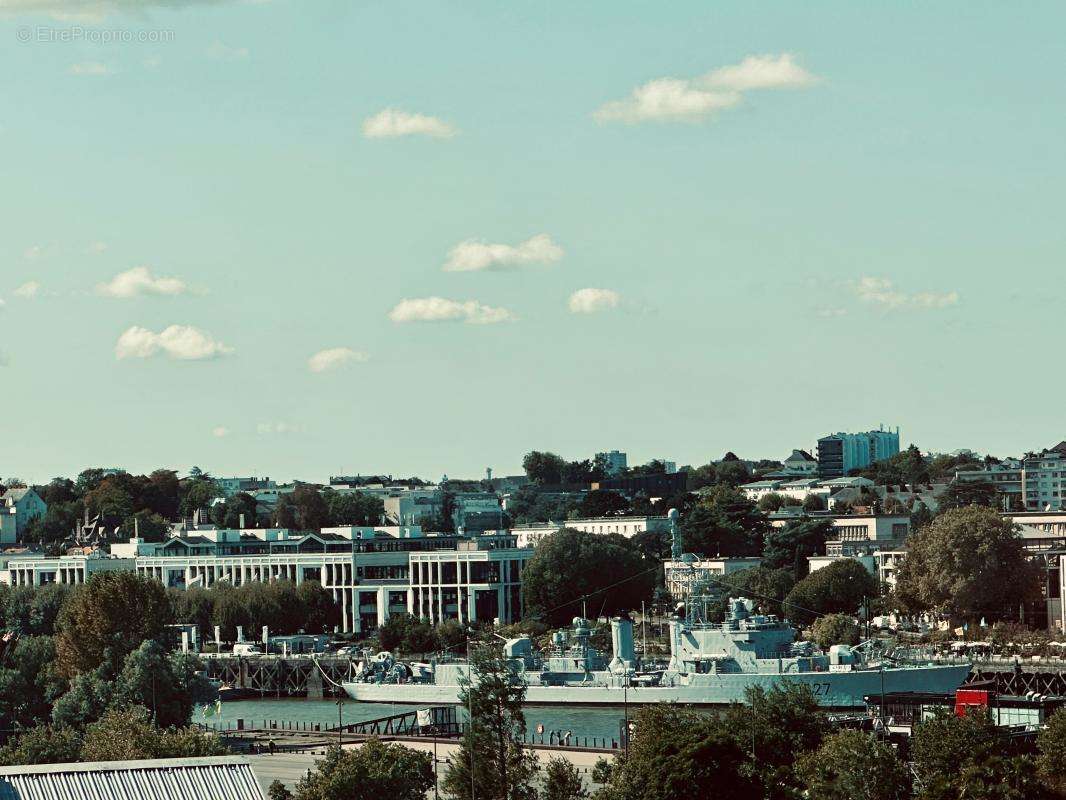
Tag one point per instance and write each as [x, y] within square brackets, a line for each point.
[246, 649]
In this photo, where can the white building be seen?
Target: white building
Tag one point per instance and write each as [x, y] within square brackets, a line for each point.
[371, 572]
[231, 486]
[882, 564]
[529, 535]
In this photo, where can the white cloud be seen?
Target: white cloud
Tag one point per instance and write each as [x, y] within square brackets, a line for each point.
[589, 301]
[882, 292]
[691, 99]
[90, 68]
[140, 281]
[28, 289]
[334, 357]
[223, 52]
[181, 342]
[666, 99]
[761, 72]
[392, 122]
[219, 432]
[438, 309]
[276, 428]
[473, 255]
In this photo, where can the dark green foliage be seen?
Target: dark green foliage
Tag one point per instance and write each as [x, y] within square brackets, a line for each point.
[840, 588]
[602, 503]
[29, 683]
[853, 764]
[1051, 745]
[353, 508]
[562, 781]
[834, 629]
[943, 744]
[968, 563]
[676, 754]
[724, 523]
[570, 565]
[96, 627]
[127, 734]
[788, 547]
[283, 606]
[277, 791]
[961, 494]
[490, 759]
[372, 771]
[42, 745]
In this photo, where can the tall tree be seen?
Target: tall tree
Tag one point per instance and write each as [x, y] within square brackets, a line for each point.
[543, 468]
[96, 626]
[679, 754]
[854, 764]
[789, 547]
[571, 565]
[840, 588]
[490, 763]
[968, 563]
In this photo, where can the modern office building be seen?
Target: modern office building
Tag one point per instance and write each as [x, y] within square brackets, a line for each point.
[839, 453]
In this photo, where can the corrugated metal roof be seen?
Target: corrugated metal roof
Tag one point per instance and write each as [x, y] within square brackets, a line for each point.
[221, 778]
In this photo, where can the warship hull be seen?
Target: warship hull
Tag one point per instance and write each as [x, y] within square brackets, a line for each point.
[833, 690]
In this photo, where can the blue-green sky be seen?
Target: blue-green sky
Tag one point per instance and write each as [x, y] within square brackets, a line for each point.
[834, 215]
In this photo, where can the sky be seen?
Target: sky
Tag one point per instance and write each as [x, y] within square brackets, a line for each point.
[319, 237]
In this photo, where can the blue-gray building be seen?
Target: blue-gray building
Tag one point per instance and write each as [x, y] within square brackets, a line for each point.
[839, 453]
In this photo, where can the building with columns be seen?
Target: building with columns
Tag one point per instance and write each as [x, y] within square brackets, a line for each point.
[371, 572]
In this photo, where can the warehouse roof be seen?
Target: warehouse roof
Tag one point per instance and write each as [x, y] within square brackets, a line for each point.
[219, 778]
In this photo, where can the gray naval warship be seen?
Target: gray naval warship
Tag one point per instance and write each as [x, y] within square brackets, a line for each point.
[711, 663]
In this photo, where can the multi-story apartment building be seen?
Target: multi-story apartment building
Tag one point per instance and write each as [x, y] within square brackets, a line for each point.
[839, 453]
[371, 572]
[1036, 482]
[231, 486]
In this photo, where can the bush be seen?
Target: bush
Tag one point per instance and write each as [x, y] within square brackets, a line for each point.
[834, 629]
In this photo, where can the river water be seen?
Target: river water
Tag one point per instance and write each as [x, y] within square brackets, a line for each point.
[580, 721]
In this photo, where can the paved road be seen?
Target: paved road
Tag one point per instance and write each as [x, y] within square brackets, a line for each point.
[290, 767]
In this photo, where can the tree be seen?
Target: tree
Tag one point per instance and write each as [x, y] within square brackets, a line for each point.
[1051, 745]
[148, 679]
[319, 610]
[996, 778]
[852, 764]
[490, 763]
[369, 772]
[840, 587]
[562, 781]
[30, 685]
[788, 547]
[128, 734]
[197, 493]
[731, 473]
[278, 791]
[777, 726]
[708, 530]
[570, 565]
[353, 508]
[968, 563]
[602, 503]
[85, 701]
[678, 754]
[770, 502]
[944, 743]
[96, 627]
[239, 511]
[44, 744]
[813, 502]
[961, 494]
[707, 475]
[834, 629]
[543, 468]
